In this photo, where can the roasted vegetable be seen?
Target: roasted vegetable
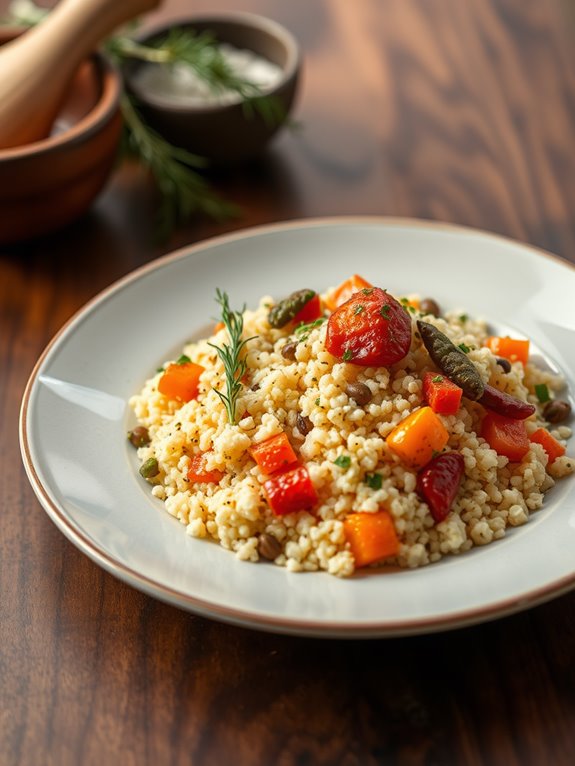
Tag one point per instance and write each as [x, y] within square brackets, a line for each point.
[451, 360]
[441, 394]
[552, 447]
[181, 381]
[290, 491]
[438, 483]
[505, 404]
[198, 472]
[418, 437]
[274, 454]
[507, 436]
[286, 310]
[371, 329]
[371, 536]
[343, 292]
[509, 348]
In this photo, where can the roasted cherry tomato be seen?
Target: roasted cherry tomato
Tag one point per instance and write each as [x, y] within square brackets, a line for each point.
[438, 483]
[371, 329]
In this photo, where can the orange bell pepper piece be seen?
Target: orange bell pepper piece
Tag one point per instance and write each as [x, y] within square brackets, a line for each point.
[274, 454]
[343, 292]
[417, 438]
[371, 536]
[181, 381]
[509, 348]
[552, 447]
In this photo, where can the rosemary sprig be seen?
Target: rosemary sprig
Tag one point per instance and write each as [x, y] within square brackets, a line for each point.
[183, 191]
[230, 353]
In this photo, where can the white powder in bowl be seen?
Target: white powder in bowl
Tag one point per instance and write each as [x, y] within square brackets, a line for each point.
[178, 84]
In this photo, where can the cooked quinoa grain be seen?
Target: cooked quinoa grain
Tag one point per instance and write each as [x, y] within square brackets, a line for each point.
[337, 417]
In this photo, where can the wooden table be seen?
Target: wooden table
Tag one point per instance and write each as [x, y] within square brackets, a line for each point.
[457, 110]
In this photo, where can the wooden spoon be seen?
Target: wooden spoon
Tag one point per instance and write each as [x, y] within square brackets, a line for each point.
[37, 67]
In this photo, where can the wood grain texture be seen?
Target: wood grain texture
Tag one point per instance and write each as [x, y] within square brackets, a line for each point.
[457, 111]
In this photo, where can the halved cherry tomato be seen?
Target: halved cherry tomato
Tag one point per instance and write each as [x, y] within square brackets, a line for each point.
[311, 311]
[371, 329]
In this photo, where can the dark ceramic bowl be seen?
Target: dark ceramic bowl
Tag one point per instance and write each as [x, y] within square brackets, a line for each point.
[49, 183]
[224, 134]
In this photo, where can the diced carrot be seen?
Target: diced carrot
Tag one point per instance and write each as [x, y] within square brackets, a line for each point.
[443, 396]
[371, 536]
[218, 326]
[509, 348]
[310, 311]
[417, 438]
[181, 381]
[198, 471]
[507, 436]
[343, 292]
[274, 454]
[552, 447]
[290, 491]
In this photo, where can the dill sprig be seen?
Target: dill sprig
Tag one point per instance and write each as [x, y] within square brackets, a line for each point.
[235, 364]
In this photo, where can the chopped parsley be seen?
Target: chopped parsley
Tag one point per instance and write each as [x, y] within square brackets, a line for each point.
[303, 330]
[343, 461]
[367, 290]
[463, 347]
[317, 401]
[358, 309]
[463, 318]
[347, 355]
[384, 311]
[183, 359]
[542, 392]
[437, 379]
[373, 480]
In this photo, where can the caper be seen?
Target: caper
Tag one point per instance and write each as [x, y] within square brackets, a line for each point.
[139, 436]
[150, 468]
[268, 546]
[286, 310]
[288, 350]
[359, 392]
[304, 424]
[429, 306]
[556, 411]
[505, 364]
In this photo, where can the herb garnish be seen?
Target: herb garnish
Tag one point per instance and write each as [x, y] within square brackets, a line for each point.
[542, 392]
[183, 359]
[437, 379]
[234, 365]
[464, 348]
[373, 480]
[358, 309]
[343, 461]
[303, 330]
[384, 311]
[347, 355]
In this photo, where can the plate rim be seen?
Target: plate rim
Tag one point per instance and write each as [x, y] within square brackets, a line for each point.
[241, 617]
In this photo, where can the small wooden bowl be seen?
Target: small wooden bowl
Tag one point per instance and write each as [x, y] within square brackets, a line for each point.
[49, 183]
[223, 133]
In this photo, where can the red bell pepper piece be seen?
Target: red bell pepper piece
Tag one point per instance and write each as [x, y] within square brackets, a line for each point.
[439, 482]
[310, 311]
[199, 473]
[552, 447]
[507, 436]
[274, 454]
[290, 491]
[370, 329]
[442, 395]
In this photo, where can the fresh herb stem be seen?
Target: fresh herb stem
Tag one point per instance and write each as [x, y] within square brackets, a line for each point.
[235, 364]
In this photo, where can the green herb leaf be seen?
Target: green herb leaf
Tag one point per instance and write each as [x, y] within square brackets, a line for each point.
[347, 355]
[183, 359]
[463, 318]
[384, 311]
[317, 401]
[464, 348]
[358, 309]
[437, 379]
[230, 354]
[303, 330]
[542, 392]
[343, 461]
[373, 480]
[367, 290]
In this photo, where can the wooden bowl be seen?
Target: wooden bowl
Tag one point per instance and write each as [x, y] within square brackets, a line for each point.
[49, 183]
[224, 134]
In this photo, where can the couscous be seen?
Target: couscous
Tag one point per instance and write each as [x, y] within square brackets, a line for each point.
[352, 428]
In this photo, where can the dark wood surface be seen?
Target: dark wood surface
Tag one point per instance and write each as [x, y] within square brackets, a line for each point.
[457, 110]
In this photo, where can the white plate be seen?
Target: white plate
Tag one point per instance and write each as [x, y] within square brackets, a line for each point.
[74, 420]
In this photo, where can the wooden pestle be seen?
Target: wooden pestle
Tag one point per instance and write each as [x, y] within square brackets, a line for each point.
[37, 67]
